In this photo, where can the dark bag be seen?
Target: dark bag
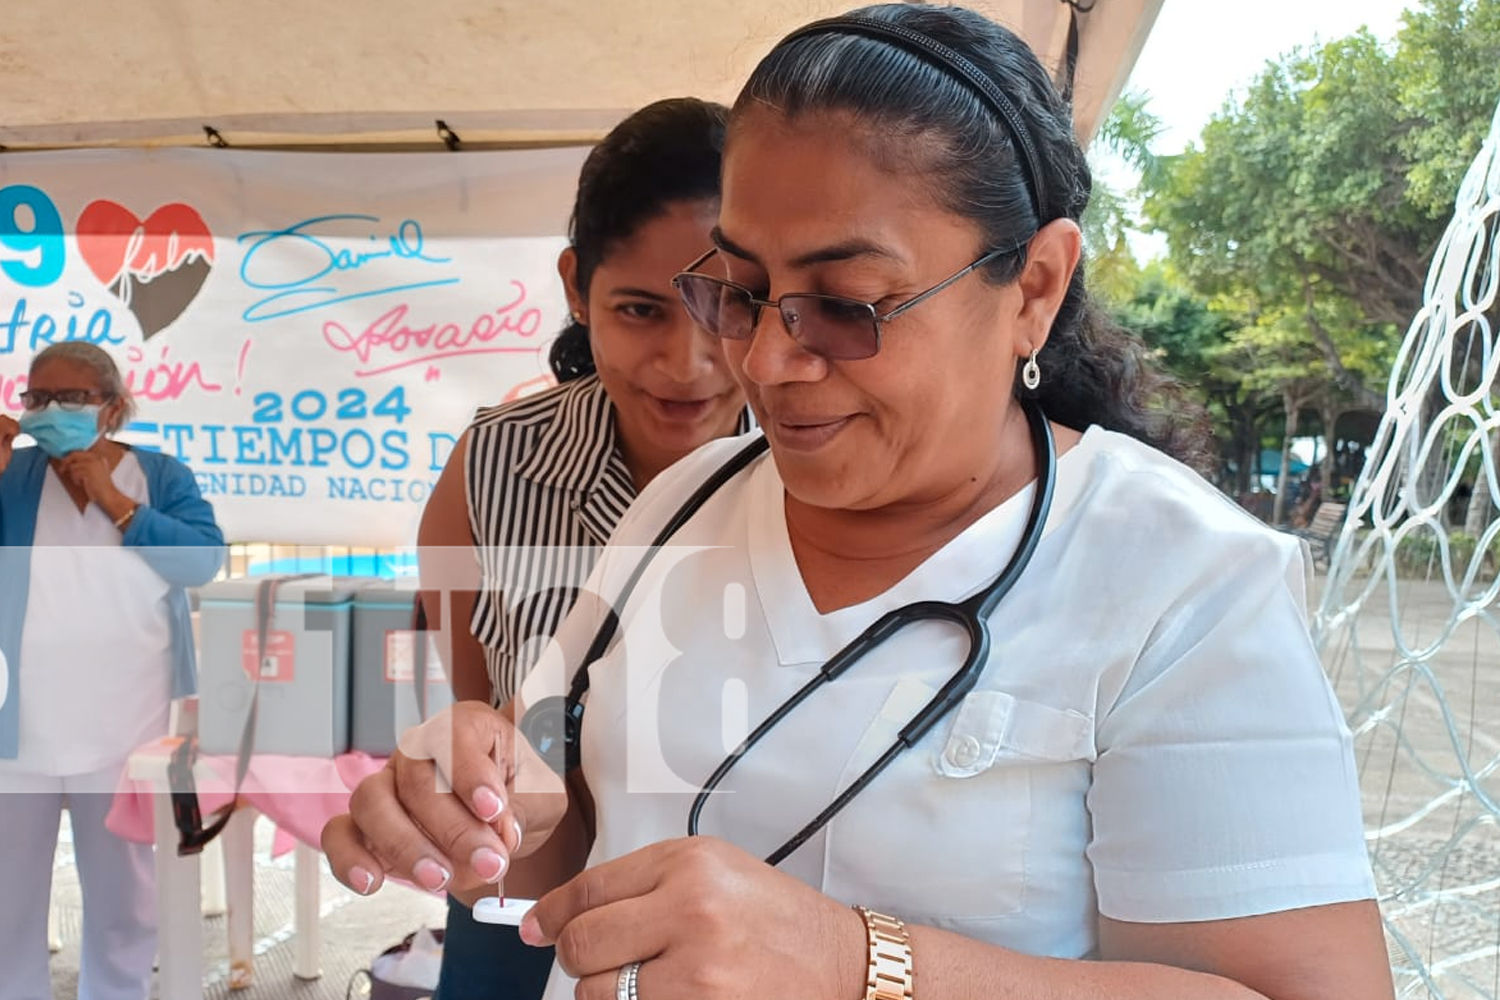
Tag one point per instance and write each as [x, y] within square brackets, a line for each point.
[365, 984]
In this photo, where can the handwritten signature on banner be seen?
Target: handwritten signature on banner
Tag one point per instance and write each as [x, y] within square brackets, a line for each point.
[391, 342]
[305, 265]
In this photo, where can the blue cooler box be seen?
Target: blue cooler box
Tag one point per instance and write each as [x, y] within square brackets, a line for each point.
[385, 701]
[302, 674]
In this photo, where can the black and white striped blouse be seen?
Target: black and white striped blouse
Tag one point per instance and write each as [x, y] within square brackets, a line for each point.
[546, 486]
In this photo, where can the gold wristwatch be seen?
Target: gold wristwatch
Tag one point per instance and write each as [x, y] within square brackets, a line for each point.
[890, 976]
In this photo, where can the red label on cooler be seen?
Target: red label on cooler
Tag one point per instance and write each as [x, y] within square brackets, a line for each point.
[278, 660]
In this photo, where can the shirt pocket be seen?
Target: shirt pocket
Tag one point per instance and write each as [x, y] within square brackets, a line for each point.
[944, 835]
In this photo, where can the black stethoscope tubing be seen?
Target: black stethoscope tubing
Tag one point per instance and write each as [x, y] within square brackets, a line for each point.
[540, 724]
[971, 615]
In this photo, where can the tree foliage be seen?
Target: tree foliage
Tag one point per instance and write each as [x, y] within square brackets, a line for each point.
[1296, 197]
[1301, 222]
[1129, 133]
[1450, 80]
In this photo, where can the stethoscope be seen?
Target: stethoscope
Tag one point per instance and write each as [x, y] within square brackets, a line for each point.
[554, 725]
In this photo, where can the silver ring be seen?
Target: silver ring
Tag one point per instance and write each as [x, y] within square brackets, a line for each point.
[625, 982]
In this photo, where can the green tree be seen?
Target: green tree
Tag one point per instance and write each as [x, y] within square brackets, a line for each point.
[1131, 132]
[1302, 221]
[1295, 198]
[1308, 210]
[1192, 339]
[1128, 135]
[1448, 84]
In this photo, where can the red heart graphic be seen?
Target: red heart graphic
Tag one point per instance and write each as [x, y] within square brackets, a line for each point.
[155, 267]
[114, 241]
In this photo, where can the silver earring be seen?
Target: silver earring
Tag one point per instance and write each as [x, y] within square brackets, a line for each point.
[1031, 373]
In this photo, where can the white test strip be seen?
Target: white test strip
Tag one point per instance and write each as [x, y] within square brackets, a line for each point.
[490, 910]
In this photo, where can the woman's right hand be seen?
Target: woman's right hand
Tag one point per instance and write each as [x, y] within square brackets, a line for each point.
[463, 796]
[9, 429]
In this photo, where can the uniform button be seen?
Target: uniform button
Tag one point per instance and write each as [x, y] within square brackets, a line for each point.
[964, 753]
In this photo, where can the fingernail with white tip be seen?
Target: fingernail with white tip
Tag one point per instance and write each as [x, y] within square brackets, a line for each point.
[488, 864]
[361, 880]
[430, 875]
[487, 805]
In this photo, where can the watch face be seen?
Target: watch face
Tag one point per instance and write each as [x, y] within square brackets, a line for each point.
[548, 728]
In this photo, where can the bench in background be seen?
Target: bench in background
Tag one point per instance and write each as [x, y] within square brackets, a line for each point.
[1323, 530]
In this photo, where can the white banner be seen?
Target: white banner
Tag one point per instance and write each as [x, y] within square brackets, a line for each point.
[309, 332]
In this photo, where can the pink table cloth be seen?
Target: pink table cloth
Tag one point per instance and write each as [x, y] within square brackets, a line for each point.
[298, 794]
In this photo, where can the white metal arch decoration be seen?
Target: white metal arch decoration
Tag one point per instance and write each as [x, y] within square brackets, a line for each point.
[1409, 619]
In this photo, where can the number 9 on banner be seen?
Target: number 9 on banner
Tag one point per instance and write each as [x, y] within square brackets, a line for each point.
[34, 234]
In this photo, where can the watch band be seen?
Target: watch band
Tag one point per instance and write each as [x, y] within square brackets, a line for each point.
[890, 975]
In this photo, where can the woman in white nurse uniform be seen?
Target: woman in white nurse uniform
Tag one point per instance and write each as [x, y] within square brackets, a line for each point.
[98, 542]
[1142, 788]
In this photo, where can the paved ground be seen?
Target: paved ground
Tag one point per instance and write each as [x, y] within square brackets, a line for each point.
[1422, 687]
[354, 931]
[1437, 853]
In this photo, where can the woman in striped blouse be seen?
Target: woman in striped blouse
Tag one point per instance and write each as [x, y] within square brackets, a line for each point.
[535, 487]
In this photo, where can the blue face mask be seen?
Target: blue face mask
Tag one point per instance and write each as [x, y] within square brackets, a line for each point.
[60, 432]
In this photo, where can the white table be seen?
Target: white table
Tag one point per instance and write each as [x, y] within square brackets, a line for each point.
[180, 900]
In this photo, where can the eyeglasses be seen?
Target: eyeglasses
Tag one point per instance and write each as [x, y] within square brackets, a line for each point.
[831, 326]
[68, 399]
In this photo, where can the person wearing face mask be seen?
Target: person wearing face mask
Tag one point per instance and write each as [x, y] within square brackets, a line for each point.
[98, 542]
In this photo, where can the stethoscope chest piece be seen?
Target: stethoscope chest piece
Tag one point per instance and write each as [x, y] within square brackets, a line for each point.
[554, 728]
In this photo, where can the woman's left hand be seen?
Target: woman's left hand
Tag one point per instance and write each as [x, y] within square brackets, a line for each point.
[707, 921]
[90, 471]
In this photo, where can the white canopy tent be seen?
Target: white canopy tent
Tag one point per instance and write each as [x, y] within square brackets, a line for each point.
[303, 72]
[273, 261]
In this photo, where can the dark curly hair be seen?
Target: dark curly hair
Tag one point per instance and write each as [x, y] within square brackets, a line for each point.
[666, 152]
[934, 124]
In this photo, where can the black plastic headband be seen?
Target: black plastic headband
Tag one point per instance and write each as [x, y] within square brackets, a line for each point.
[952, 62]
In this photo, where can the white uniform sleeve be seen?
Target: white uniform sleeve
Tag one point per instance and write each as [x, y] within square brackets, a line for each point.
[1225, 783]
